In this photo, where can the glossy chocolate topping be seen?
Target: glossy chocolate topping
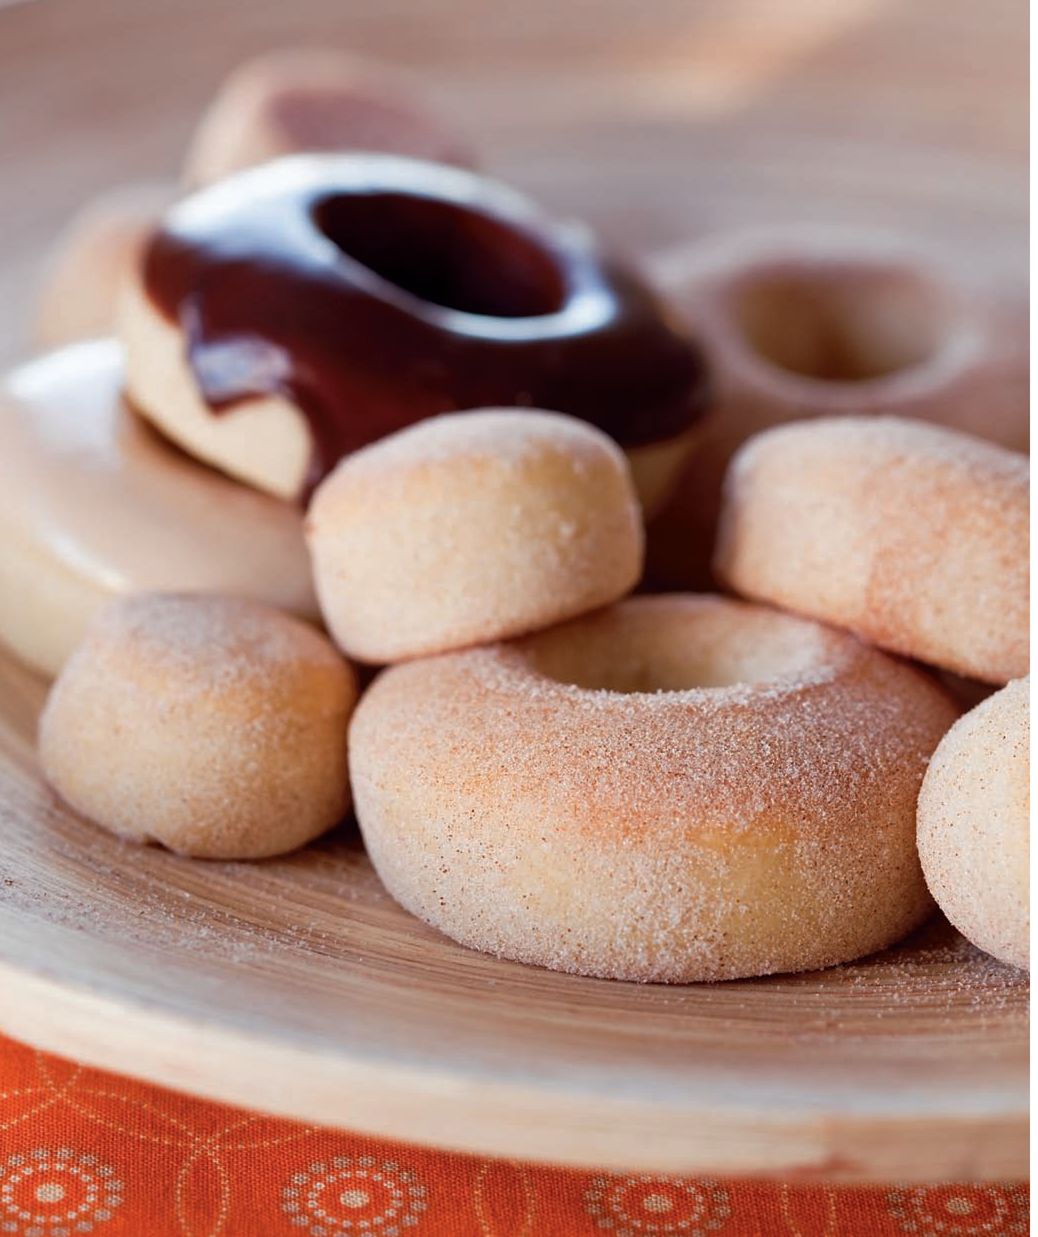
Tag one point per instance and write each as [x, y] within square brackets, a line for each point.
[375, 290]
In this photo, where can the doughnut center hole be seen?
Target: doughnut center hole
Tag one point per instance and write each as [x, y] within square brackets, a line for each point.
[645, 649]
[843, 323]
[444, 253]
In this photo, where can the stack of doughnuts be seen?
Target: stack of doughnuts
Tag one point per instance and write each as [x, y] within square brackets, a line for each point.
[389, 396]
[912, 536]
[278, 104]
[801, 322]
[280, 318]
[915, 538]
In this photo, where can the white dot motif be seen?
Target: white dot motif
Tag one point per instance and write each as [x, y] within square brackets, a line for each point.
[56, 1192]
[353, 1195]
[657, 1206]
[959, 1211]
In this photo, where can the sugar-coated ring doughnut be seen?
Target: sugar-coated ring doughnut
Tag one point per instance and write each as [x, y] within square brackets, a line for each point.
[296, 312]
[676, 788]
[815, 322]
[803, 322]
[472, 527]
[310, 99]
[212, 725]
[93, 504]
[913, 536]
[974, 824]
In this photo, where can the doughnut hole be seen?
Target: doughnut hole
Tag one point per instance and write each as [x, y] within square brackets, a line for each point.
[472, 527]
[842, 322]
[212, 725]
[974, 824]
[656, 648]
[445, 253]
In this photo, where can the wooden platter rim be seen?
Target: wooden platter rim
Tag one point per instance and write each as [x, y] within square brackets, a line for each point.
[384, 1100]
[78, 950]
[798, 150]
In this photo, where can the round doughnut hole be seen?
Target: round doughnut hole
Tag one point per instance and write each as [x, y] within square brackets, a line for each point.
[445, 254]
[671, 645]
[841, 322]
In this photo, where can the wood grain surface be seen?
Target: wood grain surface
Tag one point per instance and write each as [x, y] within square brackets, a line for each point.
[296, 985]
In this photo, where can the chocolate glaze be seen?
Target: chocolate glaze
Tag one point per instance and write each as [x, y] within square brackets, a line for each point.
[374, 291]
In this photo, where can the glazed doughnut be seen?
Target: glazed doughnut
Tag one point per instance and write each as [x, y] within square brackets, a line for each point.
[913, 536]
[472, 527]
[212, 725]
[675, 789]
[296, 312]
[300, 100]
[805, 322]
[93, 504]
[91, 261]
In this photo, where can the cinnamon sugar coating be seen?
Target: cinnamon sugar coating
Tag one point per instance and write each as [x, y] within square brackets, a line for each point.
[974, 828]
[913, 536]
[472, 527]
[212, 725]
[801, 321]
[673, 789]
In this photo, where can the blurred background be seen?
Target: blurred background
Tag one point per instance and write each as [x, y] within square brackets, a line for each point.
[657, 121]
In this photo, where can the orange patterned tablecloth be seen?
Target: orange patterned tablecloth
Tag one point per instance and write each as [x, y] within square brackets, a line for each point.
[82, 1151]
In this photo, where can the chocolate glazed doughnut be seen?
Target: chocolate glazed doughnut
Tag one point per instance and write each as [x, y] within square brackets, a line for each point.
[371, 291]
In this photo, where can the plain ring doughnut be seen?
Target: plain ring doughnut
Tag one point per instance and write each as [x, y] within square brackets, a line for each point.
[674, 789]
[93, 504]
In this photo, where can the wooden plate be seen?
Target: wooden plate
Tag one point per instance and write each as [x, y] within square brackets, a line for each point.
[296, 985]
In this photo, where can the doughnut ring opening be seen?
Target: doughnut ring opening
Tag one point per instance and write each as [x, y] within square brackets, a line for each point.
[911, 535]
[674, 789]
[94, 504]
[974, 824]
[798, 324]
[296, 312]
